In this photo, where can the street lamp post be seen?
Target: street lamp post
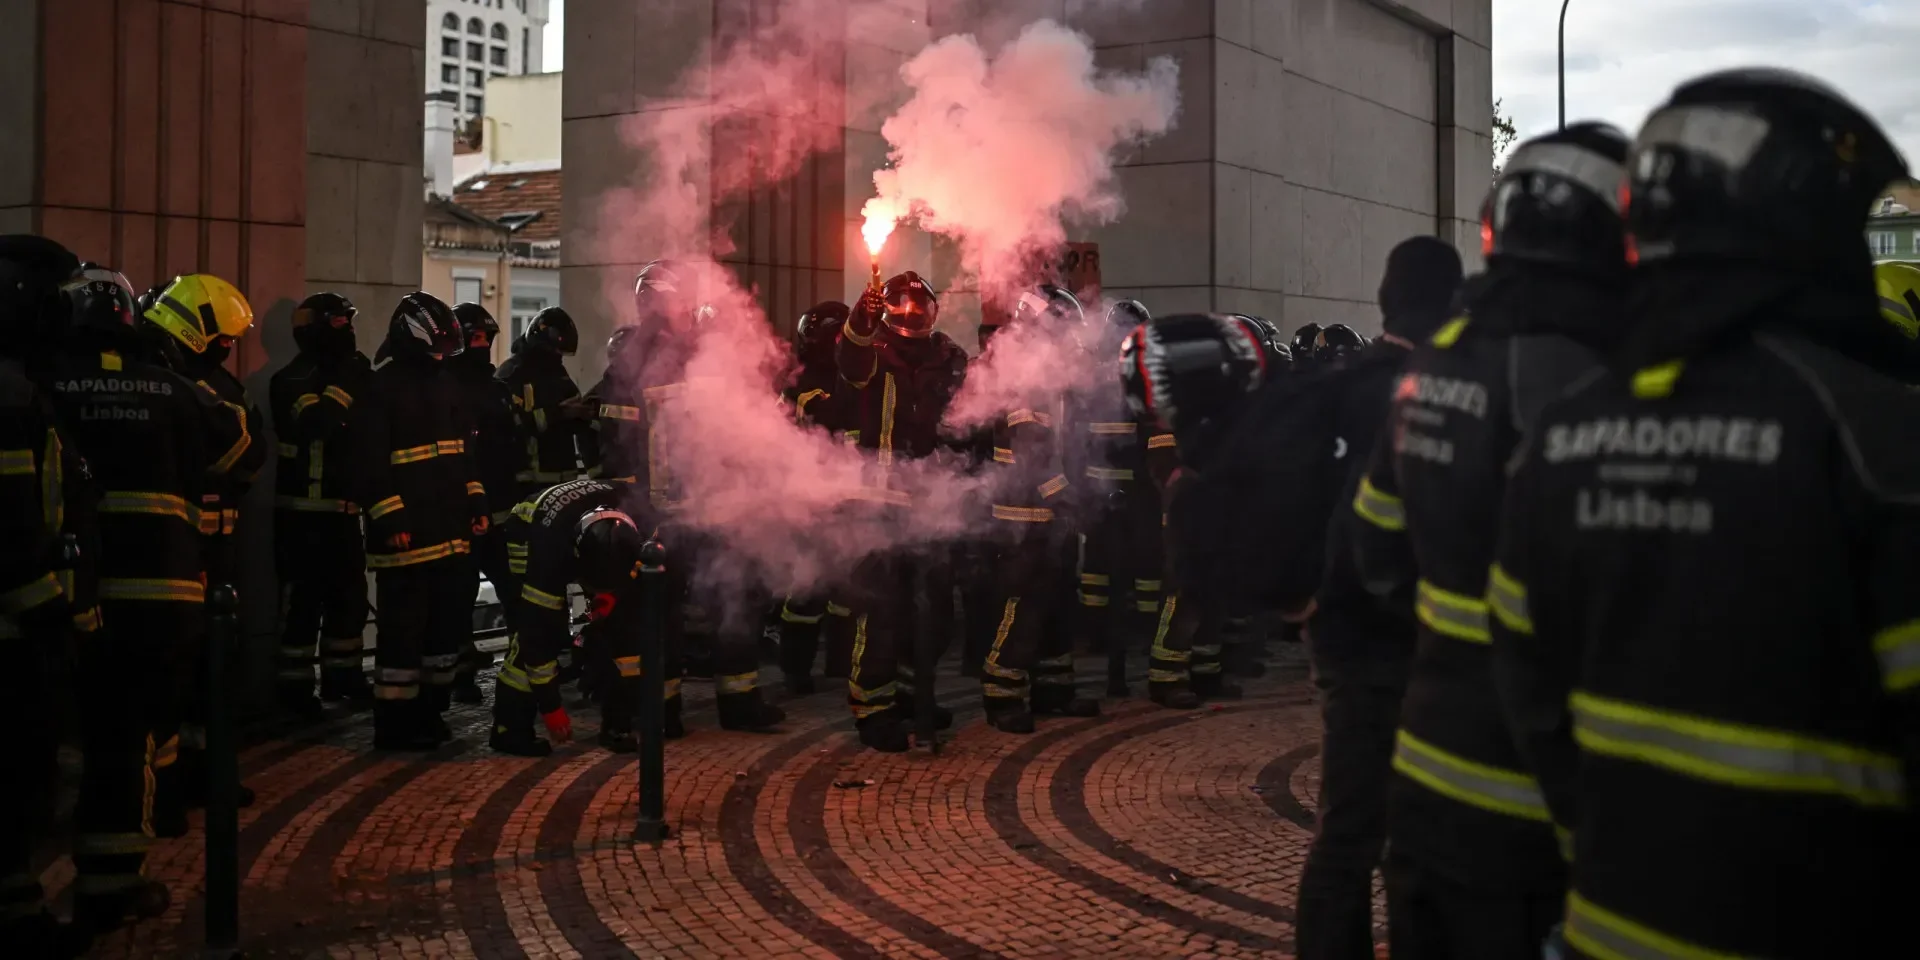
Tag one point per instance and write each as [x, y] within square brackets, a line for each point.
[1563, 63]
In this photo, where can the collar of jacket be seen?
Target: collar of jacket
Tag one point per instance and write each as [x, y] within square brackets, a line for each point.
[1516, 298]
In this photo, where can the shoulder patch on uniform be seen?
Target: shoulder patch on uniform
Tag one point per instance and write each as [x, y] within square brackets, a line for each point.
[1872, 413]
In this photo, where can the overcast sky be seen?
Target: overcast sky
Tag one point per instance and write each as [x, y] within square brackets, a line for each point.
[1623, 56]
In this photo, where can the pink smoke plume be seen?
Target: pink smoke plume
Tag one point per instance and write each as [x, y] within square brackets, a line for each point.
[1001, 151]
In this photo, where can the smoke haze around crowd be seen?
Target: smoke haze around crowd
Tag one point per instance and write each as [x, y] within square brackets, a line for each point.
[1000, 150]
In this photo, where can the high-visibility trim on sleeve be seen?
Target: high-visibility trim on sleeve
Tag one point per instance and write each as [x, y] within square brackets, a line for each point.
[628, 666]
[737, 682]
[16, 463]
[447, 448]
[386, 506]
[1736, 755]
[1053, 486]
[1002, 455]
[1160, 441]
[30, 595]
[518, 549]
[615, 411]
[289, 451]
[407, 558]
[303, 401]
[1898, 649]
[1019, 417]
[146, 588]
[339, 396]
[240, 445]
[1599, 932]
[1507, 597]
[800, 402]
[154, 504]
[1095, 580]
[1476, 784]
[1109, 473]
[1023, 514]
[541, 598]
[425, 451]
[1451, 614]
[476, 489]
[314, 505]
[1449, 332]
[1383, 510]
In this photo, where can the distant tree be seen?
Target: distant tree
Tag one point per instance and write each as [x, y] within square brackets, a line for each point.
[1503, 136]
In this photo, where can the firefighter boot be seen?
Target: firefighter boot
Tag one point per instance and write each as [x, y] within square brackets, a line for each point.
[1172, 694]
[1061, 702]
[747, 711]
[1213, 686]
[909, 710]
[1009, 715]
[619, 741]
[671, 726]
[513, 725]
[883, 731]
[345, 685]
[403, 725]
[466, 685]
[99, 913]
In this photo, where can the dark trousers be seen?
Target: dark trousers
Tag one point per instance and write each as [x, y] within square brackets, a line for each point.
[129, 732]
[425, 616]
[323, 571]
[489, 560]
[1030, 654]
[978, 586]
[1335, 908]
[1433, 918]
[800, 620]
[1120, 584]
[886, 630]
[26, 806]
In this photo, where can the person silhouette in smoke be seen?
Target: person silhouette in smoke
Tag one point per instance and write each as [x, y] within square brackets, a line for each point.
[812, 396]
[899, 375]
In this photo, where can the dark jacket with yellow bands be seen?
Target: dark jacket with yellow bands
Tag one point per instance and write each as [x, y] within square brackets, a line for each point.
[1706, 630]
[1030, 466]
[156, 444]
[220, 508]
[413, 471]
[896, 392]
[541, 535]
[47, 581]
[1466, 804]
[312, 404]
[555, 447]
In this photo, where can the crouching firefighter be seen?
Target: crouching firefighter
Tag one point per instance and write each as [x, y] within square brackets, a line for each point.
[573, 533]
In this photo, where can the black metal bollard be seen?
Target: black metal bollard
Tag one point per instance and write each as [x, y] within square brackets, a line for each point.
[223, 778]
[651, 715]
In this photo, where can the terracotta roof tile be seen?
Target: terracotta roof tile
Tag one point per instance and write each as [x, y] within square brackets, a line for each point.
[506, 194]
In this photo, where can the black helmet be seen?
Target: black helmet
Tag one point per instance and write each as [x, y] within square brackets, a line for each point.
[324, 323]
[1336, 341]
[912, 306]
[1128, 314]
[625, 337]
[477, 326]
[553, 329]
[423, 326]
[1302, 344]
[659, 290]
[101, 299]
[607, 543]
[1185, 369]
[32, 304]
[818, 328]
[1050, 305]
[1265, 337]
[1759, 165]
[1558, 201]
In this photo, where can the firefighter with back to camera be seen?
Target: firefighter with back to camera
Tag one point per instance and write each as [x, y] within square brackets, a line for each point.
[1473, 868]
[499, 455]
[318, 548]
[811, 396]
[155, 443]
[899, 375]
[555, 422]
[1704, 623]
[420, 490]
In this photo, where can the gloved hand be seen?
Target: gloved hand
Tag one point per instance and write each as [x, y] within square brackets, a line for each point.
[481, 524]
[867, 314]
[400, 541]
[579, 408]
[601, 607]
[559, 725]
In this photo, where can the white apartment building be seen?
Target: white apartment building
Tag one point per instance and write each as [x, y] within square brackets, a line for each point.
[469, 42]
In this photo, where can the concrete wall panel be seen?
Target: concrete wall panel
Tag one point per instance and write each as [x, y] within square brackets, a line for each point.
[19, 107]
[1332, 231]
[1232, 226]
[181, 78]
[1247, 85]
[181, 250]
[224, 110]
[666, 39]
[138, 119]
[88, 233]
[333, 205]
[1472, 86]
[1165, 239]
[1473, 20]
[605, 41]
[1110, 24]
[1270, 304]
[276, 122]
[1355, 46]
[134, 243]
[77, 156]
[1274, 223]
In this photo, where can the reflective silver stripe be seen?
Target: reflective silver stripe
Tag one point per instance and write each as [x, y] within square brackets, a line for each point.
[1383, 510]
[1727, 136]
[1898, 649]
[1508, 599]
[1898, 308]
[1599, 932]
[1477, 784]
[1744, 757]
[1584, 167]
[1451, 614]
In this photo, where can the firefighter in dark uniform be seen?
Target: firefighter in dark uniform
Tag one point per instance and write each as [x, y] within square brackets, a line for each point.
[572, 533]
[899, 375]
[420, 490]
[555, 422]
[155, 443]
[205, 339]
[48, 587]
[500, 456]
[317, 542]
[812, 397]
[1473, 866]
[1705, 627]
[1301, 347]
[1029, 667]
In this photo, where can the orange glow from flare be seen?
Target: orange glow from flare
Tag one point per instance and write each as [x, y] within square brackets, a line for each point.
[877, 228]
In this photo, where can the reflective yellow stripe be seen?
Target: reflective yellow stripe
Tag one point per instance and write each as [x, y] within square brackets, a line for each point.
[517, 549]
[1898, 649]
[1383, 510]
[888, 401]
[1146, 585]
[614, 411]
[33, 594]
[386, 506]
[540, 420]
[1736, 755]
[1166, 621]
[1169, 655]
[1147, 606]
[378, 561]
[737, 682]
[1053, 486]
[1007, 616]
[233, 454]
[1476, 784]
[1093, 599]
[16, 463]
[800, 402]
[523, 511]
[475, 488]
[1157, 675]
[1451, 614]
[1508, 599]
[1601, 933]
[1019, 417]
[303, 401]
[290, 451]
[899, 498]
[1110, 429]
[542, 673]
[1160, 441]
[87, 621]
[110, 844]
[143, 588]
[315, 505]
[53, 504]
[788, 616]
[1096, 580]
[1657, 381]
[339, 396]
[425, 451]
[156, 504]
[836, 610]
[628, 666]
[1449, 332]
[1002, 455]
[541, 598]
[1109, 473]
[447, 448]
[1023, 514]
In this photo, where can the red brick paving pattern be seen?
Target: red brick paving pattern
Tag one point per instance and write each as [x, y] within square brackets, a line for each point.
[1145, 833]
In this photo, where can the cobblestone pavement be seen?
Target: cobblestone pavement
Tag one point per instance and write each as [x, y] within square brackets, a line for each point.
[1144, 833]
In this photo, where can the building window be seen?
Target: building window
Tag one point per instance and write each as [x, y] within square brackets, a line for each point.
[475, 105]
[466, 289]
[449, 73]
[524, 309]
[475, 52]
[499, 56]
[499, 31]
[475, 78]
[476, 28]
[449, 47]
[450, 22]
[1882, 244]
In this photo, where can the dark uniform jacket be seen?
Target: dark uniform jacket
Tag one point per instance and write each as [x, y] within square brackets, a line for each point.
[312, 403]
[633, 438]
[1030, 460]
[156, 444]
[496, 444]
[412, 470]
[541, 535]
[48, 580]
[1106, 457]
[220, 507]
[1465, 803]
[1706, 627]
[812, 392]
[555, 446]
[899, 392]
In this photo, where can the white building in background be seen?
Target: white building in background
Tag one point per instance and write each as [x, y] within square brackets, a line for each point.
[470, 42]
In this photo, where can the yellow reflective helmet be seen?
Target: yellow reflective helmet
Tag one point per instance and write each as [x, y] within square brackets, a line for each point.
[1899, 287]
[197, 308]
